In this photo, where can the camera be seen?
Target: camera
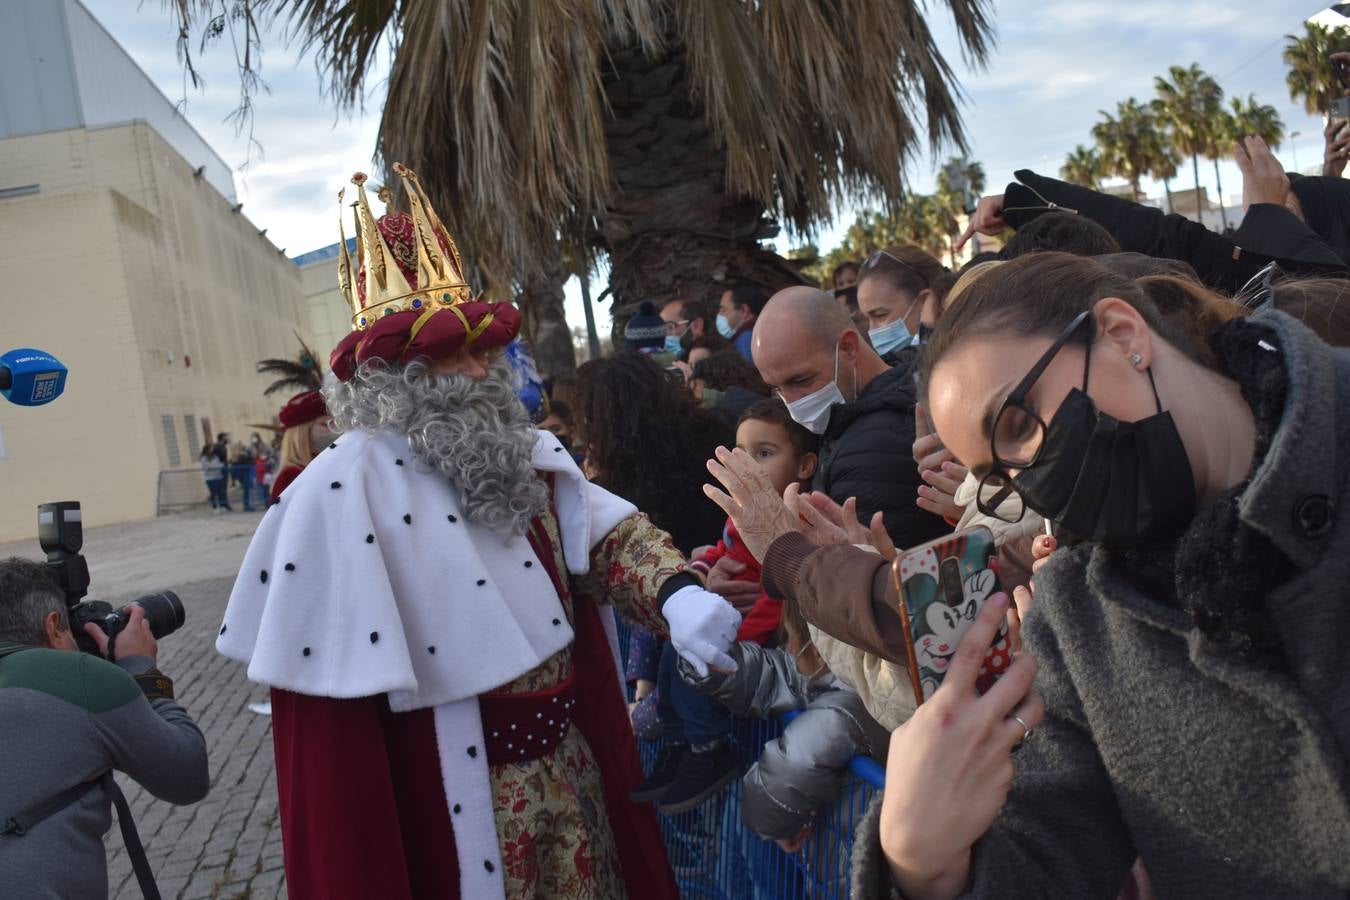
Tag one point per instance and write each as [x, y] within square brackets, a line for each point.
[61, 534]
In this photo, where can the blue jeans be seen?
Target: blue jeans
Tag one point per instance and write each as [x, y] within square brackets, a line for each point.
[215, 487]
[687, 714]
[244, 475]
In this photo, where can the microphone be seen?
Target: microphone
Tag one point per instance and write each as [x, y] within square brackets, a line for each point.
[31, 377]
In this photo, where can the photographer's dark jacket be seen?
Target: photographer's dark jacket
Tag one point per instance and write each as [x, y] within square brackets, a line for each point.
[68, 717]
[867, 453]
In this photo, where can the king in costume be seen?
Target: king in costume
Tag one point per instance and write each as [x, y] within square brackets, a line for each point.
[431, 602]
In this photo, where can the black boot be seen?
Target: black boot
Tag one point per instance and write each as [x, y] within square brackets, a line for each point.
[663, 774]
[702, 773]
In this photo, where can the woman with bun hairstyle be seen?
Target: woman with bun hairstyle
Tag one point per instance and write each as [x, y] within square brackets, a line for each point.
[1189, 702]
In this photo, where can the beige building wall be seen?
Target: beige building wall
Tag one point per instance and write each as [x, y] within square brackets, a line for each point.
[329, 317]
[159, 298]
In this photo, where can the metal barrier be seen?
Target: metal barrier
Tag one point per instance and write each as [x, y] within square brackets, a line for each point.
[180, 489]
[715, 857]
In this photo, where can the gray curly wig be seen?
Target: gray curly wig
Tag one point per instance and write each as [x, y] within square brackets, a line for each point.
[476, 433]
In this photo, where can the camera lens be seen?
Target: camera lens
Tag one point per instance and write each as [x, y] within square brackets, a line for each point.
[164, 612]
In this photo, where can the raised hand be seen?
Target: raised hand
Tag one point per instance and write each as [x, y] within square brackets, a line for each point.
[750, 500]
[987, 219]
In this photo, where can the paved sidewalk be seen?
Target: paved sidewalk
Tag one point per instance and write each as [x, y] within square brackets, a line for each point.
[229, 845]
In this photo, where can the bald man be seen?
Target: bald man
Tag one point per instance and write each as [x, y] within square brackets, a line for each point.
[807, 349]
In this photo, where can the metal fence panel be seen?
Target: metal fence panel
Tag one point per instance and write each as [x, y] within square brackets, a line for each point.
[180, 489]
[715, 857]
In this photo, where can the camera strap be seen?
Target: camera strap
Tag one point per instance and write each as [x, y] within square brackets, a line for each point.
[19, 825]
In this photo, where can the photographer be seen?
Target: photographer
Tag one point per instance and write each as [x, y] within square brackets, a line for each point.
[70, 719]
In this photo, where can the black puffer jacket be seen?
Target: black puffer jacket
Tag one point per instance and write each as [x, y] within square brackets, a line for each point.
[1270, 233]
[868, 453]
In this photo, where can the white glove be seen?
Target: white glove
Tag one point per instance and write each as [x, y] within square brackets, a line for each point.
[702, 628]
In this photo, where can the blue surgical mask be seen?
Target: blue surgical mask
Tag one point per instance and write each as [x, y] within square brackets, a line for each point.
[673, 345]
[891, 337]
[724, 327]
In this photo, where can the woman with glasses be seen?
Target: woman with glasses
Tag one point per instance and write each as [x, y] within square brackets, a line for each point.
[1190, 702]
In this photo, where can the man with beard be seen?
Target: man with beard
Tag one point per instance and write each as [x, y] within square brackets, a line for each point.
[425, 603]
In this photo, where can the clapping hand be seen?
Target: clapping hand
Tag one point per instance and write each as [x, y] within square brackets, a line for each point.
[827, 522]
[760, 514]
[941, 473]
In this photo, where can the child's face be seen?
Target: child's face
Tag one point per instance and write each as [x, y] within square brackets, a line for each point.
[769, 444]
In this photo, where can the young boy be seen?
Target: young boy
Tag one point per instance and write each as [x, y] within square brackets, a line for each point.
[697, 759]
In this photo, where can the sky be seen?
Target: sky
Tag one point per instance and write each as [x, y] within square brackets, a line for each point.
[1056, 63]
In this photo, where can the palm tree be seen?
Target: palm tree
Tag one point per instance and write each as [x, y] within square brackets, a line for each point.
[1164, 162]
[1084, 166]
[668, 134]
[1190, 105]
[1251, 117]
[960, 185]
[1127, 142]
[1222, 134]
[1312, 77]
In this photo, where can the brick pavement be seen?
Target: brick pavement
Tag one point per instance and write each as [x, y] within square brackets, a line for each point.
[229, 845]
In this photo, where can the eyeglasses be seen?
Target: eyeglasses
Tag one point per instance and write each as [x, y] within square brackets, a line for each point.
[1018, 433]
[677, 327]
[1259, 292]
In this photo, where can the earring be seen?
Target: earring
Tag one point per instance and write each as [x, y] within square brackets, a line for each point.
[1136, 359]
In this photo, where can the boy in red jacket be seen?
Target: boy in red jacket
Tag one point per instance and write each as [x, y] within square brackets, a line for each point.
[697, 759]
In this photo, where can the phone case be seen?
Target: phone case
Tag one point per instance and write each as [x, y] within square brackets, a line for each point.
[942, 586]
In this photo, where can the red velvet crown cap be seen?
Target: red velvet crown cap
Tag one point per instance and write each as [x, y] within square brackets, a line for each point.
[303, 408]
[402, 337]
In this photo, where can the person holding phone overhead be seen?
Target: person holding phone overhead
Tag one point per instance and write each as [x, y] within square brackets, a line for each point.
[1188, 650]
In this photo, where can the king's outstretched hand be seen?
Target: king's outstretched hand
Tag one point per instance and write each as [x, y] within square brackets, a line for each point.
[702, 628]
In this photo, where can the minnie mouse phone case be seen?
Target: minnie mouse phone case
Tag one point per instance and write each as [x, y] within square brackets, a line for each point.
[942, 586]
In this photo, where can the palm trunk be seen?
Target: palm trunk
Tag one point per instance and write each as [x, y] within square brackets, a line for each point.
[592, 337]
[672, 229]
[545, 325]
[1167, 189]
[1195, 167]
[1218, 182]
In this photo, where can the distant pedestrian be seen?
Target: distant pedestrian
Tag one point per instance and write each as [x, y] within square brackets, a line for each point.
[213, 472]
[241, 472]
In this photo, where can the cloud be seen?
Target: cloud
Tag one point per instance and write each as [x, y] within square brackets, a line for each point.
[1056, 63]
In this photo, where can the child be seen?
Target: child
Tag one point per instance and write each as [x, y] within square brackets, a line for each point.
[697, 759]
[799, 774]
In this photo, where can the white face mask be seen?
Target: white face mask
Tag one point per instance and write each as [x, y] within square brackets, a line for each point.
[796, 661]
[812, 412]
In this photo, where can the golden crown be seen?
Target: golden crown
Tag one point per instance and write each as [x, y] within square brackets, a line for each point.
[421, 253]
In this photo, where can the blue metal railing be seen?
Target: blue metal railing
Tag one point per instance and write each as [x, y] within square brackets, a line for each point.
[716, 857]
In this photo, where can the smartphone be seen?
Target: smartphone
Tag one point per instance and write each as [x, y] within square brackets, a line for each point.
[942, 586]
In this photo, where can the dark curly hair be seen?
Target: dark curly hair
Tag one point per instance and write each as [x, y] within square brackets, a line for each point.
[649, 442]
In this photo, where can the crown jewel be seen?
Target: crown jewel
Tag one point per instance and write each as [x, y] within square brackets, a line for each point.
[404, 261]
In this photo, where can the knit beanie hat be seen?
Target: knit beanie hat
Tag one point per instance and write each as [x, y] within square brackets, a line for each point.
[646, 330]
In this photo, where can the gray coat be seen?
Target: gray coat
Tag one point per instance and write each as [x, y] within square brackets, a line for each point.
[801, 771]
[1228, 779]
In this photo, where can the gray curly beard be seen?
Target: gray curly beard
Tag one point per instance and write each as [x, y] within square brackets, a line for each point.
[476, 433]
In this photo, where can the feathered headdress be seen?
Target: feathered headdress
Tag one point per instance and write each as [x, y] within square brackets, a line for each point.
[304, 373]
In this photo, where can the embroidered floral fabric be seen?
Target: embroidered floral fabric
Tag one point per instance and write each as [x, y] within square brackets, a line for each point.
[555, 836]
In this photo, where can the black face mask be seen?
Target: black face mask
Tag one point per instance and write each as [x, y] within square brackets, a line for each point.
[1107, 481]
